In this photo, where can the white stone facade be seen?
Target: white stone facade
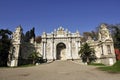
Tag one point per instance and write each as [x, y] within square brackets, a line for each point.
[15, 48]
[60, 45]
[63, 45]
[104, 47]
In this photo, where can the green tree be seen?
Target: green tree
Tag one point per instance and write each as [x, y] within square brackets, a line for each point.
[115, 31]
[87, 53]
[86, 35]
[32, 33]
[29, 34]
[38, 39]
[4, 46]
[34, 56]
[92, 34]
[27, 37]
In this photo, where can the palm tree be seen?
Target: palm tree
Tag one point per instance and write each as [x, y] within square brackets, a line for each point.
[87, 53]
[34, 56]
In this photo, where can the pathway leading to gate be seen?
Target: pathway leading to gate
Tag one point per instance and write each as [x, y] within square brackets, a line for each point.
[58, 70]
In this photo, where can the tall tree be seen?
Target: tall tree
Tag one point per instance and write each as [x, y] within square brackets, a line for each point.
[4, 46]
[115, 31]
[86, 35]
[32, 33]
[92, 34]
[38, 39]
[34, 56]
[29, 34]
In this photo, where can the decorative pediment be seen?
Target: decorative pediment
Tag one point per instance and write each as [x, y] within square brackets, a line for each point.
[16, 36]
[104, 33]
[61, 31]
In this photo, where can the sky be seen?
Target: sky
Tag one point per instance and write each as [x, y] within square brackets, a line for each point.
[47, 15]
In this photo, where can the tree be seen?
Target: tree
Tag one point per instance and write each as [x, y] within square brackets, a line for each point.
[87, 53]
[4, 46]
[29, 34]
[115, 31]
[38, 39]
[117, 37]
[32, 33]
[27, 37]
[86, 35]
[34, 56]
[92, 34]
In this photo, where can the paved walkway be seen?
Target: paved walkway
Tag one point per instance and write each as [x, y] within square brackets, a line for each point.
[58, 70]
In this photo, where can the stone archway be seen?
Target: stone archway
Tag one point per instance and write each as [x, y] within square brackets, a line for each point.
[61, 51]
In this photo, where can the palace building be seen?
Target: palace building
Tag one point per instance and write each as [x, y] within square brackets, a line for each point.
[61, 44]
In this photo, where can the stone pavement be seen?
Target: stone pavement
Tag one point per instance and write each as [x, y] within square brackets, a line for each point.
[58, 70]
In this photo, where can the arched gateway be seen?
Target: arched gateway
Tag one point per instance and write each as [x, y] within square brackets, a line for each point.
[61, 51]
[60, 45]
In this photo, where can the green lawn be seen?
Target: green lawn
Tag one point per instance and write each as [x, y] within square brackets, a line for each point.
[114, 69]
[97, 64]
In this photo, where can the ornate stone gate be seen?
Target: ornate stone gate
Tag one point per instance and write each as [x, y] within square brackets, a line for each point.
[63, 45]
[60, 45]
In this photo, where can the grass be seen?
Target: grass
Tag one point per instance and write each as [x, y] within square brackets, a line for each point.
[113, 69]
[97, 64]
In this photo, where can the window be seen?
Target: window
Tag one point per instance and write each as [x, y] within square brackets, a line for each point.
[102, 49]
[109, 49]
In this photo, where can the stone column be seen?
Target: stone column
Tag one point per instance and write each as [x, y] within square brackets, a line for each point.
[44, 50]
[14, 60]
[53, 50]
[55, 53]
[70, 46]
[77, 42]
[17, 55]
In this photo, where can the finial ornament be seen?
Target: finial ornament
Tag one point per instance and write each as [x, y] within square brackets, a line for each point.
[103, 32]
